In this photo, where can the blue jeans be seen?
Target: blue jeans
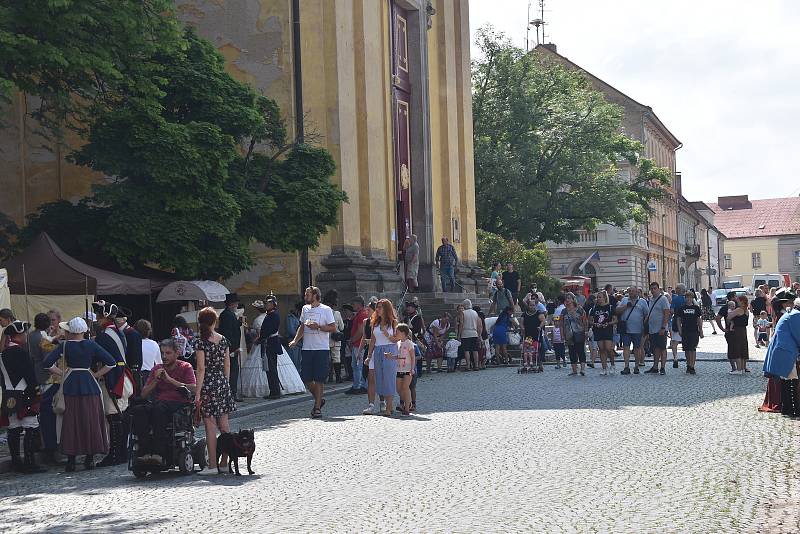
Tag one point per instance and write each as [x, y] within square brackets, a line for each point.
[358, 368]
[448, 274]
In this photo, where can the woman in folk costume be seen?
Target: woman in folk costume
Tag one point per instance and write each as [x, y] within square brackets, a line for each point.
[253, 381]
[79, 400]
[117, 385]
[21, 398]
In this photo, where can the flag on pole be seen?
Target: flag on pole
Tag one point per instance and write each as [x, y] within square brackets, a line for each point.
[594, 256]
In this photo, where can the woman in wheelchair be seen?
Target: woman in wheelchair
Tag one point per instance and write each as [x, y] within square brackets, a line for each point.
[174, 384]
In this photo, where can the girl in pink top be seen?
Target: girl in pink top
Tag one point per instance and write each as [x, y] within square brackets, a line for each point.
[405, 366]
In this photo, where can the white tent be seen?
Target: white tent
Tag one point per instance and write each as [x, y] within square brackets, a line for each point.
[5, 295]
[193, 290]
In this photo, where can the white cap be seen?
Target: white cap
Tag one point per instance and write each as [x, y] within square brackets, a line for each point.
[76, 325]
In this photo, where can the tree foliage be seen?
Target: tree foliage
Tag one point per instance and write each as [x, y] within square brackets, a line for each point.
[548, 150]
[80, 57]
[196, 175]
[532, 263]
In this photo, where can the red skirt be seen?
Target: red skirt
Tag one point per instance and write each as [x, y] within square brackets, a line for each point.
[772, 399]
[84, 429]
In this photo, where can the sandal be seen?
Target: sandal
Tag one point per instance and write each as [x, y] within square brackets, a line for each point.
[321, 403]
[412, 408]
[316, 413]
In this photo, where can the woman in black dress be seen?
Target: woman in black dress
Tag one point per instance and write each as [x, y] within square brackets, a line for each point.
[737, 339]
[213, 394]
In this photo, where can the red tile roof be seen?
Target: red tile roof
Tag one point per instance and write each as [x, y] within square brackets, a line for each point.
[768, 217]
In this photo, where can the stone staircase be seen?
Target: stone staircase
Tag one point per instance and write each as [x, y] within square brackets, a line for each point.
[431, 305]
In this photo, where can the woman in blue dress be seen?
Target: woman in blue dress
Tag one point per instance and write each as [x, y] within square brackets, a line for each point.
[500, 333]
[83, 426]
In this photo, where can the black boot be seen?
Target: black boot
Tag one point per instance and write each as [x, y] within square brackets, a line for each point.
[70, 468]
[88, 462]
[794, 391]
[787, 404]
[13, 449]
[114, 429]
[31, 445]
[337, 368]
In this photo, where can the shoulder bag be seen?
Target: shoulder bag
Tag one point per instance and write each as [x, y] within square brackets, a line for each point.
[647, 318]
[622, 325]
[59, 404]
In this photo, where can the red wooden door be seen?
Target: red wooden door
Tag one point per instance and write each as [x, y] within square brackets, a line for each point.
[401, 98]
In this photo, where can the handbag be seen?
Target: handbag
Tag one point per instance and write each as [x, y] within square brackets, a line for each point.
[622, 325]
[514, 338]
[59, 404]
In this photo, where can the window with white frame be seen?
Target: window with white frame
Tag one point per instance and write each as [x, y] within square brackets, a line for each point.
[756, 256]
[728, 261]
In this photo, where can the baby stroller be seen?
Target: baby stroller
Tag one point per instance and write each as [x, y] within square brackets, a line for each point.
[531, 362]
[184, 453]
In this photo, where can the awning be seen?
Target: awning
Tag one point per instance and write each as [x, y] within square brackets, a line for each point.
[193, 290]
[51, 271]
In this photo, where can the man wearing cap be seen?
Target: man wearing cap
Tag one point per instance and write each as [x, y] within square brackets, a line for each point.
[230, 326]
[21, 398]
[270, 342]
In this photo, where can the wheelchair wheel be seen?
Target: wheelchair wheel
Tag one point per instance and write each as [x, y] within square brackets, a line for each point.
[138, 473]
[200, 453]
[185, 462]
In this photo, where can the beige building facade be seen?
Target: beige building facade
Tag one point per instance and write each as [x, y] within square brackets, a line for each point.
[625, 253]
[385, 87]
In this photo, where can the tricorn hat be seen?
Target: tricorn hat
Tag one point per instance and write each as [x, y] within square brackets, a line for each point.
[17, 327]
[785, 294]
[230, 298]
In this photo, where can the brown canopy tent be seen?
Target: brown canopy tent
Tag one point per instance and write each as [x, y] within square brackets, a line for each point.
[50, 272]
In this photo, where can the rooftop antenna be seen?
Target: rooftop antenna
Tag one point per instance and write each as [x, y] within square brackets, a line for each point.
[536, 23]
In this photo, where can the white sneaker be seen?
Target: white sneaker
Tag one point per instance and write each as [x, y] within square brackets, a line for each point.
[383, 406]
[369, 409]
[732, 372]
[603, 373]
[207, 470]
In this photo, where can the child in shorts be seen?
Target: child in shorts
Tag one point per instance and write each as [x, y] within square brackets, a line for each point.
[558, 340]
[763, 324]
[451, 351]
[406, 362]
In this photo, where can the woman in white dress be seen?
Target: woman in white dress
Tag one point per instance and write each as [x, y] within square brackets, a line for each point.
[253, 378]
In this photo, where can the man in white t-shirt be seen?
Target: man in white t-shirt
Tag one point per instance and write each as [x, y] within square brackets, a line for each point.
[316, 325]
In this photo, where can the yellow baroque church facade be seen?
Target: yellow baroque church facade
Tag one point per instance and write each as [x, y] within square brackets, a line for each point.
[384, 85]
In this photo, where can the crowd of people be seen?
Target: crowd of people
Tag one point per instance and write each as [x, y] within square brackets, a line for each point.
[78, 386]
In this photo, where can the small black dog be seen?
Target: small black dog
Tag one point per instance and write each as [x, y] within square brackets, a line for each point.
[235, 446]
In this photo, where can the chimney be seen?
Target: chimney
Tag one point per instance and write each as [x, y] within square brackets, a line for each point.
[739, 202]
[550, 46]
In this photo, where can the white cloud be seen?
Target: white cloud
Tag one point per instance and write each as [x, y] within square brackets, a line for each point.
[721, 74]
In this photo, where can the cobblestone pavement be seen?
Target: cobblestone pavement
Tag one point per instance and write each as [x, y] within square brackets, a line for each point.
[489, 452]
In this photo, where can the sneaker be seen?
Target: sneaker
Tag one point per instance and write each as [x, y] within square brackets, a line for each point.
[652, 371]
[207, 470]
[369, 409]
[625, 371]
[603, 373]
[636, 370]
[383, 406]
[662, 372]
[733, 372]
[590, 365]
[674, 364]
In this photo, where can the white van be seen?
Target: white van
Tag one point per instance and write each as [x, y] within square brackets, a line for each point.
[771, 280]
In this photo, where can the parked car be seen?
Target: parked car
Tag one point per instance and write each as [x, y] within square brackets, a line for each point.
[720, 299]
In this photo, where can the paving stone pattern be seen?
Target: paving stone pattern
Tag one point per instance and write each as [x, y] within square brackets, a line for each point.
[492, 451]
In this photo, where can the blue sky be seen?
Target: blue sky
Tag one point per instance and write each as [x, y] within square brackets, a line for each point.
[723, 75]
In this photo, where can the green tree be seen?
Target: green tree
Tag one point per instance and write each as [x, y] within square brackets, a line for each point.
[183, 193]
[83, 56]
[548, 150]
[531, 263]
